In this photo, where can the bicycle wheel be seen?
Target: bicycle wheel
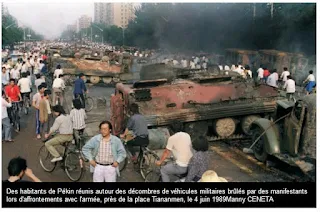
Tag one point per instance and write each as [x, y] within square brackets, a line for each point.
[147, 163]
[153, 176]
[45, 159]
[73, 166]
[26, 110]
[89, 104]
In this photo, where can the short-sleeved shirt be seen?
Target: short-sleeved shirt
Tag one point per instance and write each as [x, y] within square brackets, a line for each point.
[13, 92]
[311, 78]
[138, 124]
[284, 75]
[25, 85]
[181, 147]
[37, 98]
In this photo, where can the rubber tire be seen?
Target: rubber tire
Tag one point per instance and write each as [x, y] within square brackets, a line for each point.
[89, 108]
[26, 110]
[40, 159]
[148, 155]
[246, 123]
[123, 164]
[262, 155]
[66, 170]
[152, 176]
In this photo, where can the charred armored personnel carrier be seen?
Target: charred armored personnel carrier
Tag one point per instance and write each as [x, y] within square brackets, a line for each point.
[223, 109]
[98, 67]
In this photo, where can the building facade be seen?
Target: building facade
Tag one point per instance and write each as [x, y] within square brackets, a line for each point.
[118, 14]
[84, 22]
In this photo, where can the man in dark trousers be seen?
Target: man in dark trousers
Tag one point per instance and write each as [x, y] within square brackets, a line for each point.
[80, 89]
[138, 125]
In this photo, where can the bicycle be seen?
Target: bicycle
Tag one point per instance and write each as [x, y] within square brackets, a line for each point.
[146, 159]
[155, 175]
[72, 160]
[57, 100]
[88, 102]
[26, 104]
[15, 115]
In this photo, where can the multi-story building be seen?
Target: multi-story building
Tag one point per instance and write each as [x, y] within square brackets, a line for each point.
[84, 22]
[72, 27]
[118, 14]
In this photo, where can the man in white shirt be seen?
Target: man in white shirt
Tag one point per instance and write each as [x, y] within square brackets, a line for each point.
[260, 73]
[32, 64]
[290, 87]
[273, 79]
[311, 82]
[184, 63]
[180, 145]
[24, 67]
[25, 86]
[14, 74]
[58, 71]
[284, 74]
[238, 70]
[192, 64]
[226, 68]
[58, 87]
[6, 126]
[175, 62]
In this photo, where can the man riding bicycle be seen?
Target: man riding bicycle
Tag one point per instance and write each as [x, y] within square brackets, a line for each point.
[138, 124]
[58, 88]
[63, 124]
[25, 86]
[13, 92]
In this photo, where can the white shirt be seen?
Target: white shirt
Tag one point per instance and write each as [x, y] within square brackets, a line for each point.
[221, 68]
[260, 73]
[5, 104]
[57, 73]
[204, 65]
[58, 83]
[24, 68]
[175, 63]
[226, 68]
[250, 73]
[184, 63]
[25, 85]
[311, 78]
[15, 74]
[192, 65]
[239, 70]
[284, 75]
[290, 86]
[272, 80]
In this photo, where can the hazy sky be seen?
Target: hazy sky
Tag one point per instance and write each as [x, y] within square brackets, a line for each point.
[49, 19]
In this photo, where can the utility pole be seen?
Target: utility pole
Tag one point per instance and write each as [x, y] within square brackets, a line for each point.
[122, 36]
[271, 11]
[254, 11]
[91, 34]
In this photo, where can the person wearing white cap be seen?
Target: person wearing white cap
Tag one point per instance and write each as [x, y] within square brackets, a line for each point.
[211, 176]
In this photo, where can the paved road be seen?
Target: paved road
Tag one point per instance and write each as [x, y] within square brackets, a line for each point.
[228, 163]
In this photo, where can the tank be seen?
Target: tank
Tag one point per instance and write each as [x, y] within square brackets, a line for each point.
[245, 57]
[98, 67]
[223, 109]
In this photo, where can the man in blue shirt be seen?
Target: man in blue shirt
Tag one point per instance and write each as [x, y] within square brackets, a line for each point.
[80, 88]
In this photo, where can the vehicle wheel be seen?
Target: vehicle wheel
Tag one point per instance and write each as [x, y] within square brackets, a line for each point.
[73, 166]
[45, 159]
[123, 164]
[89, 104]
[26, 110]
[259, 148]
[94, 79]
[147, 163]
[246, 123]
[225, 127]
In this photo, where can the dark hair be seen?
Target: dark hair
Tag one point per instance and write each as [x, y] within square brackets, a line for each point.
[38, 76]
[11, 79]
[61, 75]
[176, 126]
[16, 165]
[44, 85]
[40, 86]
[24, 74]
[285, 68]
[200, 144]
[261, 65]
[236, 65]
[134, 108]
[81, 75]
[106, 122]
[77, 104]
[289, 77]
[310, 72]
[59, 109]
[28, 73]
[3, 93]
[58, 66]
[47, 92]
[274, 71]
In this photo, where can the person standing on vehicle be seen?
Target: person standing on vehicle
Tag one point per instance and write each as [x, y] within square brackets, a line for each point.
[290, 86]
[6, 126]
[180, 145]
[284, 75]
[311, 82]
[45, 114]
[25, 86]
[58, 86]
[138, 125]
[35, 103]
[273, 79]
[78, 117]
[260, 73]
[105, 152]
[13, 92]
[80, 89]
[62, 124]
